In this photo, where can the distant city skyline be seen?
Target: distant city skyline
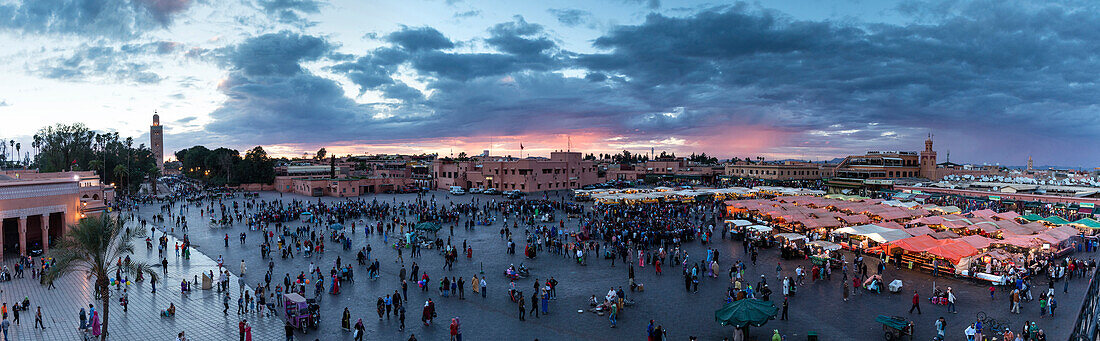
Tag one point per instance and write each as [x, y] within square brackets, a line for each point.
[785, 79]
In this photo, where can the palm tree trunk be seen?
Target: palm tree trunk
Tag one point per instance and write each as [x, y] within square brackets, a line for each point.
[105, 297]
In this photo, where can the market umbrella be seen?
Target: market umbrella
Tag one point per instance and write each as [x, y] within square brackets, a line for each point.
[336, 226]
[749, 311]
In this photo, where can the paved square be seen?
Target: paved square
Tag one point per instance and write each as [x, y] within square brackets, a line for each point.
[817, 306]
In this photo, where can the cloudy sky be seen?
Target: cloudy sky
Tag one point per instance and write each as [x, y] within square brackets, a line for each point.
[995, 81]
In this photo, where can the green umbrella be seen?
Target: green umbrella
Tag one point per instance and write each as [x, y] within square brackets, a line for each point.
[746, 312]
[430, 227]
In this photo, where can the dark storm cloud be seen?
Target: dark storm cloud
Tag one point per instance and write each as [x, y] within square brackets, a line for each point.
[115, 19]
[519, 37]
[992, 79]
[290, 11]
[980, 70]
[570, 16]
[276, 54]
[420, 38]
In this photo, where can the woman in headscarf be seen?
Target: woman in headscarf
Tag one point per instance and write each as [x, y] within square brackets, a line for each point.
[359, 330]
[95, 324]
[426, 316]
[456, 330]
[345, 322]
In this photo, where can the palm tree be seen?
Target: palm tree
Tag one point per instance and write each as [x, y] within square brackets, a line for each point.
[91, 247]
[120, 171]
[17, 147]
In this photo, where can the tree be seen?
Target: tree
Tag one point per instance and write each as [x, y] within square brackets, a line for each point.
[91, 248]
[321, 153]
[17, 147]
[121, 171]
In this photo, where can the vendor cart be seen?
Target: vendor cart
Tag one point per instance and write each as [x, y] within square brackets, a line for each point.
[896, 327]
[300, 312]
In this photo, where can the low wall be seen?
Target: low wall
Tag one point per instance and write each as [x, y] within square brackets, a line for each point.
[256, 187]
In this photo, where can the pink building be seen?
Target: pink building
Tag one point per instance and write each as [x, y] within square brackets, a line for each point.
[563, 170]
[339, 187]
[37, 208]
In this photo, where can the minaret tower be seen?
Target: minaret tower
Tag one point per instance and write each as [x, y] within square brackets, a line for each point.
[156, 141]
[928, 160]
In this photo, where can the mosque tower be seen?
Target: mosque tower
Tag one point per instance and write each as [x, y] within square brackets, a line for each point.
[156, 142]
[928, 160]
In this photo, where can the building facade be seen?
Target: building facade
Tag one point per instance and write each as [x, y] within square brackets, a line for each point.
[678, 169]
[37, 208]
[563, 170]
[339, 187]
[774, 171]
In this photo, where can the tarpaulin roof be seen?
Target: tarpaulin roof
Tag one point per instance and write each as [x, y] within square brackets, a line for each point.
[1032, 217]
[919, 230]
[953, 250]
[944, 235]
[1056, 220]
[855, 219]
[830, 246]
[1017, 240]
[739, 222]
[983, 213]
[1007, 215]
[877, 233]
[889, 225]
[977, 241]
[916, 244]
[1087, 222]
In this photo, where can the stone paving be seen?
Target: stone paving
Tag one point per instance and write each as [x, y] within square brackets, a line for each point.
[817, 307]
[199, 313]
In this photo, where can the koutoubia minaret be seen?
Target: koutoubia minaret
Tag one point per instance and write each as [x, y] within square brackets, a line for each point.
[156, 141]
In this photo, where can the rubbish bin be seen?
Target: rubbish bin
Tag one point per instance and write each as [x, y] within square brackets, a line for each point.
[811, 336]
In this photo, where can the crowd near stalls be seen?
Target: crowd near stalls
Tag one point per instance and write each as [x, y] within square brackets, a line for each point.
[985, 244]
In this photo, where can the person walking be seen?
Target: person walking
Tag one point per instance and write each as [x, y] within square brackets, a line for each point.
[1015, 299]
[461, 288]
[535, 303]
[916, 303]
[784, 315]
[845, 291]
[522, 308]
[401, 316]
[1051, 304]
[456, 330]
[613, 315]
[951, 301]
[38, 318]
[941, 331]
[359, 330]
[482, 286]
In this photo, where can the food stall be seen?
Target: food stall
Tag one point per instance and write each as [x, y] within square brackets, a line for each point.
[736, 227]
[759, 235]
[822, 251]
[792, 244]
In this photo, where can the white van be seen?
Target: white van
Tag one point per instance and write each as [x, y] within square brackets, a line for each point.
[457, 190]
